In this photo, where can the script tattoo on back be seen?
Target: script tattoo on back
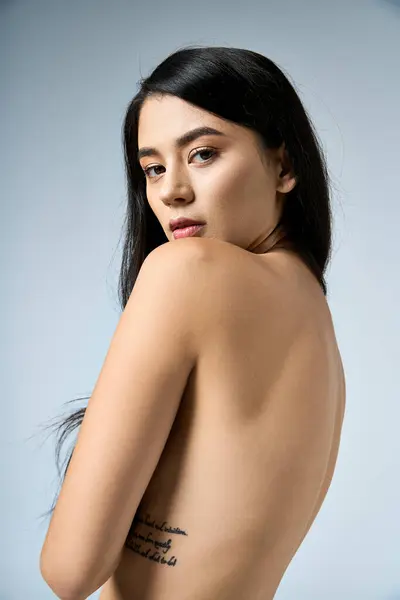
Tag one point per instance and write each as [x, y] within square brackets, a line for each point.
[150, 539]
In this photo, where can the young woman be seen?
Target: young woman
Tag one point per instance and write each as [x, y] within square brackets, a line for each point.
[211, 436]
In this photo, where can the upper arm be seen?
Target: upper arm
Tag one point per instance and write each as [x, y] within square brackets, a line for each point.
[127, 422]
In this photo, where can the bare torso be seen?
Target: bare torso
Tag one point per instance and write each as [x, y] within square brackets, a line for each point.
[200, 530]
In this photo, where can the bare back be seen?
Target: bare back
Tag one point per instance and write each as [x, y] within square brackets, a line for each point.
[201, 530]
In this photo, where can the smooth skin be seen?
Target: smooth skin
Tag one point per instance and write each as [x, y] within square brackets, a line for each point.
[226, 180]
[219, 407]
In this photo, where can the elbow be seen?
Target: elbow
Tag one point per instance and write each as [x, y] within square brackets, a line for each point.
[63, 587]
[69, 580]
[62, 591]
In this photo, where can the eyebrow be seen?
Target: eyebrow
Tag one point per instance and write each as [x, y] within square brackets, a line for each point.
[181, 141]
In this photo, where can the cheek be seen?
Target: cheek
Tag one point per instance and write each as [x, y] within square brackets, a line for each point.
[236, 180]
[151, 202]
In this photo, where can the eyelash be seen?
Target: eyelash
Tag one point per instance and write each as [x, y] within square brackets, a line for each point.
[199, 151]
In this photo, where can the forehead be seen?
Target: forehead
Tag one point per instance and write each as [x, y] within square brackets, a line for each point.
[167, 117]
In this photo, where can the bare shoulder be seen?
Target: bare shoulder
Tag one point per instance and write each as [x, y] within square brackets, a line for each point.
[219, 280]
[210, 259]
[200, 246]
[167, 255]
[217, 256]
[198, 277]
[182, 257]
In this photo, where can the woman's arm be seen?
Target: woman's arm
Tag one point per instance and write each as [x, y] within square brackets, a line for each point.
[127, 422]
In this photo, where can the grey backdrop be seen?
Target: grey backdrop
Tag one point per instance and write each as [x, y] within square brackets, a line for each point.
[68, 71]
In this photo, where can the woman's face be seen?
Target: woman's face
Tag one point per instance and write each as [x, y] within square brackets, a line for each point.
[225, 180]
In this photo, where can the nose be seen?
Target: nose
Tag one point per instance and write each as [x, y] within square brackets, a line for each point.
[175, 188]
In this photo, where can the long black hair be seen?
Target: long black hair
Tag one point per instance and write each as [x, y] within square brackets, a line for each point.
[250, 90]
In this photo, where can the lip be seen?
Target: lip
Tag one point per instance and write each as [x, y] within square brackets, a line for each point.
[182, 232]
[183, 222]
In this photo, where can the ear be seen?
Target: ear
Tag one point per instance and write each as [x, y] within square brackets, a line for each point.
[286, 177]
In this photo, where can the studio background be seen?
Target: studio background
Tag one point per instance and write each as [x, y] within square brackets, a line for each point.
[68, 71]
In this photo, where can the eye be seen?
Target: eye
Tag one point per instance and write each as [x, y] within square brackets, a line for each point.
[205, 151]
[199, 151]
[148, 169]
